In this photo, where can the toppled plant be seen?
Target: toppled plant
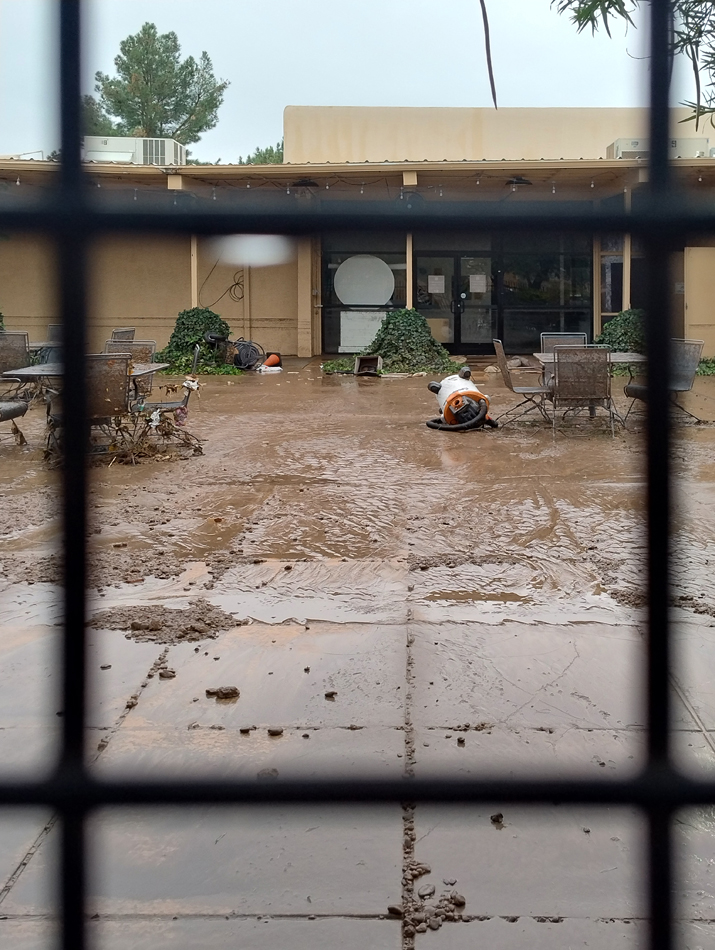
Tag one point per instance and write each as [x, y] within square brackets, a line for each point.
[406, 345]
[190, 327]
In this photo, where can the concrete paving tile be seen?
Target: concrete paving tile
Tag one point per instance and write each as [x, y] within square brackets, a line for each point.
[372, 751]
[252, 860]
[540, 863]
[365, 664]
[694, 665]
[29, 701]
[110, 689]
[19, 934]
[587, 675]
[265, 934]
[521, 751]
[339, 591]
[694, 842]
[526, 933]
[694, 752]
[34, 892]
[19, 828]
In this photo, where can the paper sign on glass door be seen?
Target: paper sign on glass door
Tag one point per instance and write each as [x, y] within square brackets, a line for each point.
[435, 283]
[477, 283]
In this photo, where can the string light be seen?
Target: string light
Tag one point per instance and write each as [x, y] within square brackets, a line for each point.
[248, 184]
[553, 187]
[287, 189]
[479, 180]
[700, 177]
[362, 188]
[213, 194]
[327, 186]
[18, 181]
[593, 184]
[513, 187]
[135, 193]
[440, 191]
[402, 193]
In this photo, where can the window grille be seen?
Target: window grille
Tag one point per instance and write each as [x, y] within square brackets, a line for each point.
[71, 219]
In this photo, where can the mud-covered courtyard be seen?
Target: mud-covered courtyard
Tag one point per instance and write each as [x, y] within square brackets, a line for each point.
[333, 588]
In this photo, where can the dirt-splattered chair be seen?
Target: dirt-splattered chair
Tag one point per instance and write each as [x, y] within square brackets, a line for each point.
[582, 380]
[141, 351]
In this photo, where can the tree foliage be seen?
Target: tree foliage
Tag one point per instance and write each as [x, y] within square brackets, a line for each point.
[94, 120]
[271, 155]
[155, 93]
[625, 333]
[692, 36]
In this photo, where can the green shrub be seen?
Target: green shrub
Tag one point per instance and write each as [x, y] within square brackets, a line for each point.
[625, 333]
[406, 345]
[707, 367]
[2, 321]
[190, 327]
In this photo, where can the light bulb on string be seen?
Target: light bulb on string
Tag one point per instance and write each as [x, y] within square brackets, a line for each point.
[248, 184]
[402, 193]
[327, 186]
[593, 184]
[362, 188]
[700, 177]
[18, 181]
[440, 191]
[135, 193]
[479, 180]
[287, 189]
[553, 187]
[513, 187]
[213, 194]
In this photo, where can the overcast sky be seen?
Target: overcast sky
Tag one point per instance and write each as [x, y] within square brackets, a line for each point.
[326, 52]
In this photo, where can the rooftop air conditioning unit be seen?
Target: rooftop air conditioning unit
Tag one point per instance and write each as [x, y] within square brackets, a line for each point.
[133, 151]
[640, 148]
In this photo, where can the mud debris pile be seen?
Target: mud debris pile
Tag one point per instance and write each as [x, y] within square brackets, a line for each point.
[158, 624]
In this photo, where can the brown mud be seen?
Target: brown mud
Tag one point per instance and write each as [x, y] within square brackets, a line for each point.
[159, 624]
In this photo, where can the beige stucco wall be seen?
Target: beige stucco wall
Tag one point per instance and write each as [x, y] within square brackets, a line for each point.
[378, 134]
[145, 281]
[700, 296]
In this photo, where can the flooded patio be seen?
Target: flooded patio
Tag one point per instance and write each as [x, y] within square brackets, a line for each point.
[386, 600]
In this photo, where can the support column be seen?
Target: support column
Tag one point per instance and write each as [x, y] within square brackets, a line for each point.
[627, 247]
[408, 276]
[194, 271]
[247, 302]
[305, 296]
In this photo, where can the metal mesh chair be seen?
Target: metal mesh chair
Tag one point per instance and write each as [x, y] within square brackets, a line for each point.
[14, 354]
[534, 396]
[582, 380]
[551, 340]
[123, 333]
[54, 333]
[141, 351]
[107, 385]
[685, 356]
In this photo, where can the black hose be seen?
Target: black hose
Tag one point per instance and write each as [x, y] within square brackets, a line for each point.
[248, 354]
[477, 422]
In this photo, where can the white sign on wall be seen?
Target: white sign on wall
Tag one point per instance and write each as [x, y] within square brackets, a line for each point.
[435, 283]
[477, 283]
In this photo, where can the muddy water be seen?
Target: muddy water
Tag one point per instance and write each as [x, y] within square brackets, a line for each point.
[386, 599]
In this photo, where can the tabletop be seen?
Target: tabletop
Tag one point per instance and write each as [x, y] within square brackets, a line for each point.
[544, 358]
[46, 370]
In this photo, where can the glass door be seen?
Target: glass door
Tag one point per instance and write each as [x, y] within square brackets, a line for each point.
[434, 295]
[456, 293]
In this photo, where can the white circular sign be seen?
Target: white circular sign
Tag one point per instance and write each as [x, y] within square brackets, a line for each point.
[365, 281]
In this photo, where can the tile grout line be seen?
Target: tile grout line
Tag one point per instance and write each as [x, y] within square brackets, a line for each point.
[691, 709]
[102, 745]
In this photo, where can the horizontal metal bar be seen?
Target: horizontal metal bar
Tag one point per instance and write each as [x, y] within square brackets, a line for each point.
[662, 219]
[653, 788]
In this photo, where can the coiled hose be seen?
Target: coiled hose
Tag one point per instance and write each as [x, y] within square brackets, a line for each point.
[477, 422]
[248, 354]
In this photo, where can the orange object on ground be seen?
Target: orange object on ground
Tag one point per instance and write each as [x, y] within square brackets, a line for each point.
[273, 360]
[456, 401]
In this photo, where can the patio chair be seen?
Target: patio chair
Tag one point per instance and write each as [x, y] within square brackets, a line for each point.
[551, 340]
[189, 386]
[534, 396]
[14, 354]
[141, 351]
[582, 380]
[54, 333]
[685, 357]
[123, 333]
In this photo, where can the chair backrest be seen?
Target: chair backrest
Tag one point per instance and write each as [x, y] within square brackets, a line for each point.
[107, 384]
[54, 333]
[14, 350]
[684, 359]
[551, 340]
[123, 333]
[502, 364]
[582, 374]
[142, 351]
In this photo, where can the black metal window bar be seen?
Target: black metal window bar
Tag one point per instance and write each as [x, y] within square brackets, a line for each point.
[70, 216]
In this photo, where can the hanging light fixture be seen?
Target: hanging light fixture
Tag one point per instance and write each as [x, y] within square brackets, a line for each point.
[213, 194]
[135, 193]
[362, 188]
[440, 191]
[248, 184]
[18, 181]
[593, 184]
[553, 187]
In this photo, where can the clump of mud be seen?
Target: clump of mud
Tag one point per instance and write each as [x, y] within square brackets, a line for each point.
[157, 624]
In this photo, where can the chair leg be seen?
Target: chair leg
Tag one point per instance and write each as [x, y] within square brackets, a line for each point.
[531, 404]
[674, 401]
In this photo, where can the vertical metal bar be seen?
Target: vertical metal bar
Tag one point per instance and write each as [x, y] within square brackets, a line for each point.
[71, 260]
[660, 882]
